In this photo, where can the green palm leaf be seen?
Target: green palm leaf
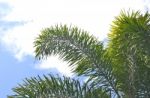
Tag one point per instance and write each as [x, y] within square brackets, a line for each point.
[81, 50]
[129, 48]
[55, 87]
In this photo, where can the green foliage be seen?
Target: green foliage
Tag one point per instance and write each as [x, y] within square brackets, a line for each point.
[120, 70]
[55, 87]
[80, 49]
[129, 48]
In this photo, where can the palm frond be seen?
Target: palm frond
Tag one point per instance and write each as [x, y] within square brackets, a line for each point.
[129, 47]
[55, 87]
[78, 48]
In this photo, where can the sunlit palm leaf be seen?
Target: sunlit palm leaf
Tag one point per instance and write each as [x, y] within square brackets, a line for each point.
[129, 48]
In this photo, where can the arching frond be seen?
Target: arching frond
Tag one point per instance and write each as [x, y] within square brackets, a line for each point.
[78, 48]
[55, 87]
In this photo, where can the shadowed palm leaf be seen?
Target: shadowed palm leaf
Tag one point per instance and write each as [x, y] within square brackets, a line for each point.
[55, 87]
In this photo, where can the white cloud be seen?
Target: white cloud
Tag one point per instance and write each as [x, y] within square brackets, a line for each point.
[94, 16]
[20, 40]
[55, 62]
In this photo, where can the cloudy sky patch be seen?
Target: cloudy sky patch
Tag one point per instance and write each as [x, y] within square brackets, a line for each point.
[91, 15]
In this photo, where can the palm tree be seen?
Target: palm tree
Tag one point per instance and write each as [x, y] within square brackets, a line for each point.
[120, 70]
[129, 48]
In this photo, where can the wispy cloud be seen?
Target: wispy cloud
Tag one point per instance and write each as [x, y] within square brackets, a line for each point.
[147, 5]
[6, 25]
[92, 15]
[4, 9]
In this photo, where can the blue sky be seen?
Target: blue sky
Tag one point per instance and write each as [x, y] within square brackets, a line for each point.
[22, 20]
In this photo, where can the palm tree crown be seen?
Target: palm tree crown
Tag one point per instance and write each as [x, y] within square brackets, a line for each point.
[120, 70]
